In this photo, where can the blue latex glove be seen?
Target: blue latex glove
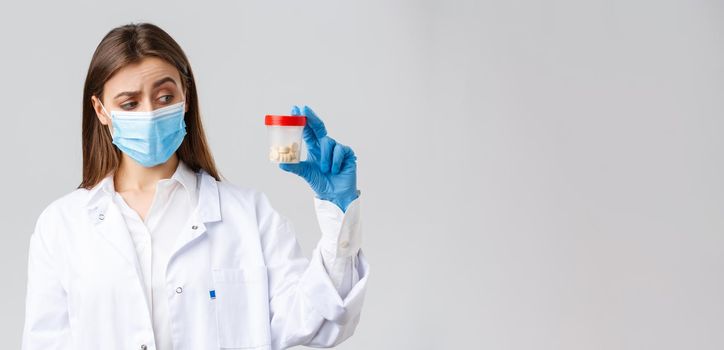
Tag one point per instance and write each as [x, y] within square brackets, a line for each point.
[330, 168]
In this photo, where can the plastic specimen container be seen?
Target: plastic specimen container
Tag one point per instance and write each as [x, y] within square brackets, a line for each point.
[285, 137]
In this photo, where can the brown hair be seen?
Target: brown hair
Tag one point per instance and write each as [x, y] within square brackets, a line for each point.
[122, 46]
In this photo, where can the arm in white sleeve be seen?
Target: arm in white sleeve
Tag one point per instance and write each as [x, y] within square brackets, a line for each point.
[306, 307]
[46, 310]
[340, 242]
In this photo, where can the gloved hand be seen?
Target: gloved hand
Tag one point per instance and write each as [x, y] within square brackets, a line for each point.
[330, 168]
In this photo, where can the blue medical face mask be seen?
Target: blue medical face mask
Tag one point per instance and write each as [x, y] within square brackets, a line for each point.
[150, 138]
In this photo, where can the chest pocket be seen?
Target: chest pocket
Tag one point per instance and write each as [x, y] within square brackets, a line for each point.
[242, 307]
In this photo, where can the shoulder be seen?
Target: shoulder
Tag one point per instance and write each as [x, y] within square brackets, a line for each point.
[250, 200]
[66, 204]
[242, 194]
[60, 212]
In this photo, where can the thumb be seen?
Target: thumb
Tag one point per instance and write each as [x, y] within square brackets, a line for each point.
[302, 169]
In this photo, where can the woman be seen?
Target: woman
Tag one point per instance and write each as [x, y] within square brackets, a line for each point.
[154, 251]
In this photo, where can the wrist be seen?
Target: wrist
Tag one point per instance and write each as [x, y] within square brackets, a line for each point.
[341, 200]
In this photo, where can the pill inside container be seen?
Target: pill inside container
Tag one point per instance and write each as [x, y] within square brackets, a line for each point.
[285, 137]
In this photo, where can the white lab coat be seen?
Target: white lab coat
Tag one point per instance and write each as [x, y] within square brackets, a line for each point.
[84, 285]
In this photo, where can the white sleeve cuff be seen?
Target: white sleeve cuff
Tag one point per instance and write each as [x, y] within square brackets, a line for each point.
[341, 231]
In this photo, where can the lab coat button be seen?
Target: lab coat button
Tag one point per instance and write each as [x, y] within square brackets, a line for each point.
[143, 347]
[194, 227]
[344, 244]
[179, 290]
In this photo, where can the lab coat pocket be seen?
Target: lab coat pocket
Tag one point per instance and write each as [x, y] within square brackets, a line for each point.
[242, 307]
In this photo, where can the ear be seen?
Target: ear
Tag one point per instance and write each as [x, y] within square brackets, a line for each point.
[104, 119]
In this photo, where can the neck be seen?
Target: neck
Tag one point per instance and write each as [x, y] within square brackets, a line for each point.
[132, 176]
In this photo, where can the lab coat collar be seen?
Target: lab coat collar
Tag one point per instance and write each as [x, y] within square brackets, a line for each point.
[185, 176]
[208, 192]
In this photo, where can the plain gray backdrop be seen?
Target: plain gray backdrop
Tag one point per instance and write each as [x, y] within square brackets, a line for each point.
[534, 174]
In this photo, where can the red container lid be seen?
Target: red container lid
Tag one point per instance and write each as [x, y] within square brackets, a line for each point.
[285, 120]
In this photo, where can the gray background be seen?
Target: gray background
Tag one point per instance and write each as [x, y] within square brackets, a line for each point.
[534, 174]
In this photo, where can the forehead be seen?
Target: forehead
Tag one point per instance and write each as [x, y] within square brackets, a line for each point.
[139, 76]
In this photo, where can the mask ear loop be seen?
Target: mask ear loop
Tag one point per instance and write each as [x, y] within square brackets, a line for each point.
[107, 115]
[104, 109]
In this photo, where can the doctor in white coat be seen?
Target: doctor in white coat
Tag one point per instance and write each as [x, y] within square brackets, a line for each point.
[154, 251]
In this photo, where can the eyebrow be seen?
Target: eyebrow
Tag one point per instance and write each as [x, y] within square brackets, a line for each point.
[156, 84]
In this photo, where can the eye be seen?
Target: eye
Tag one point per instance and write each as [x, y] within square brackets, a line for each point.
[166, 98]
[129, 105]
